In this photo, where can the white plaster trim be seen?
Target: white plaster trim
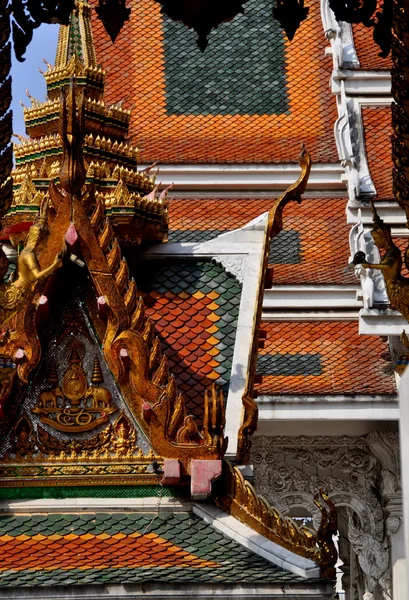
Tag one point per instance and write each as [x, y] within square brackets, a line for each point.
[362, 83]
[319, 590]
[252, 274]
[381, 322]
[340, 37]
[95, 504]
[216, 177]
[305, 297]
[324, 315]
[255, 542]
[327, 408]
[390, 212]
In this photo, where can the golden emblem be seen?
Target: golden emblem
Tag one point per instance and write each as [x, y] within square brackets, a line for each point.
[75, 406]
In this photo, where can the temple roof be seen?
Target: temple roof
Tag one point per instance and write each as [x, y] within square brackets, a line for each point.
[248, 100]
[378, 130]
[303, 251]
[125, 547]
[323, 357]
[194, 306]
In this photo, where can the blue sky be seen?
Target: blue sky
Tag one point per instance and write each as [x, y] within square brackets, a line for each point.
[26, 76]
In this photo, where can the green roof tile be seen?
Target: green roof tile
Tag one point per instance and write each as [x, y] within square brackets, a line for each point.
[185, 530]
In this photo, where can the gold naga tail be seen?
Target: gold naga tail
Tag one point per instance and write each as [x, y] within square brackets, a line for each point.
[274, 226]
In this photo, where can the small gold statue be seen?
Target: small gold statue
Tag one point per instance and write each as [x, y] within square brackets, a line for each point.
[390, 266]
[14, 294]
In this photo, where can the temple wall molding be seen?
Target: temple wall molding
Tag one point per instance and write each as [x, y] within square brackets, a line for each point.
[361, 476]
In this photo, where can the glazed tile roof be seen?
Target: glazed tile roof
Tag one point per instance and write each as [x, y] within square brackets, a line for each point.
[303, 252]
[123, 548]
[323, 357]
[378, 131]
[402, 243]
[245, 99]
[194, 306]
[367, 51]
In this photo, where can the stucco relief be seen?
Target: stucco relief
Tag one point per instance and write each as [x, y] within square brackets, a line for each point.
[360, 475]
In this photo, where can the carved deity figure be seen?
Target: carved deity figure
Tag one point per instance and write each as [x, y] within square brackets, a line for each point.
[13, 294]
[390, 266]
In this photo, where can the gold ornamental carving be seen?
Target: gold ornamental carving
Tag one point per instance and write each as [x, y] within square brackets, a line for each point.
[117, 442]
[13, 295]
[237, 497]
[390, 266]
[75, 407]
[274, 226]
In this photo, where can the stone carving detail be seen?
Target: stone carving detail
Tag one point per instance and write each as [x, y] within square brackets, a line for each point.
[385, 446]
[373, 557]
[370, 464]
[232, 265]
[372, 281]
[277, 482]
[356, 459]
[347, 454]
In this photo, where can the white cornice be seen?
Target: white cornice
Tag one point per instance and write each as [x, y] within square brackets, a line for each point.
[327, 408]
[63, 505]
[381, 322]
[390, 212]
[220, 177]
[255, 542]
[311, 297]
[312, 315]
[362, 83]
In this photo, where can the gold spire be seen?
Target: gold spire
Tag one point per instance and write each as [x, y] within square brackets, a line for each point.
[76, 38]
[97, 376]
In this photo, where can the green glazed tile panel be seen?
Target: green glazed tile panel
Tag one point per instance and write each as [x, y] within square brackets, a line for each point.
[242, 70]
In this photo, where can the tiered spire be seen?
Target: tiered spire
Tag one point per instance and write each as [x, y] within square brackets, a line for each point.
[76, 39]
[111, 163]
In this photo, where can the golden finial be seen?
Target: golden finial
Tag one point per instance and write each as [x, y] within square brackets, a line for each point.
[97, 376]
[52, 377]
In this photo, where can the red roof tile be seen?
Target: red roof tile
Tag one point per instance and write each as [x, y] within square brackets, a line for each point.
[316, 222]
[135, 66]
[378, 131]
[323, 357]
[367, 50]
[196, 323]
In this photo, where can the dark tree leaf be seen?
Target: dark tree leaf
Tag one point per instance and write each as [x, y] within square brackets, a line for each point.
[113, 14]
[202, 15]
[354, 11]
[290, 13]
[27, 15]
[382, 32]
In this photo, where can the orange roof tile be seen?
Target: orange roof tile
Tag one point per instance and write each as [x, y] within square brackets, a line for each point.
[136, 67]
[90, 552]
[323, 357]
[367, 50]
[178, 548]
[378, 131]
[314, 225]
[197, 331]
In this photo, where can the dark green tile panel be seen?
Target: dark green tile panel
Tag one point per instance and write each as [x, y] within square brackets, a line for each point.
[242, 71]
[289, 364]
[285, 248]
[139, 491]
